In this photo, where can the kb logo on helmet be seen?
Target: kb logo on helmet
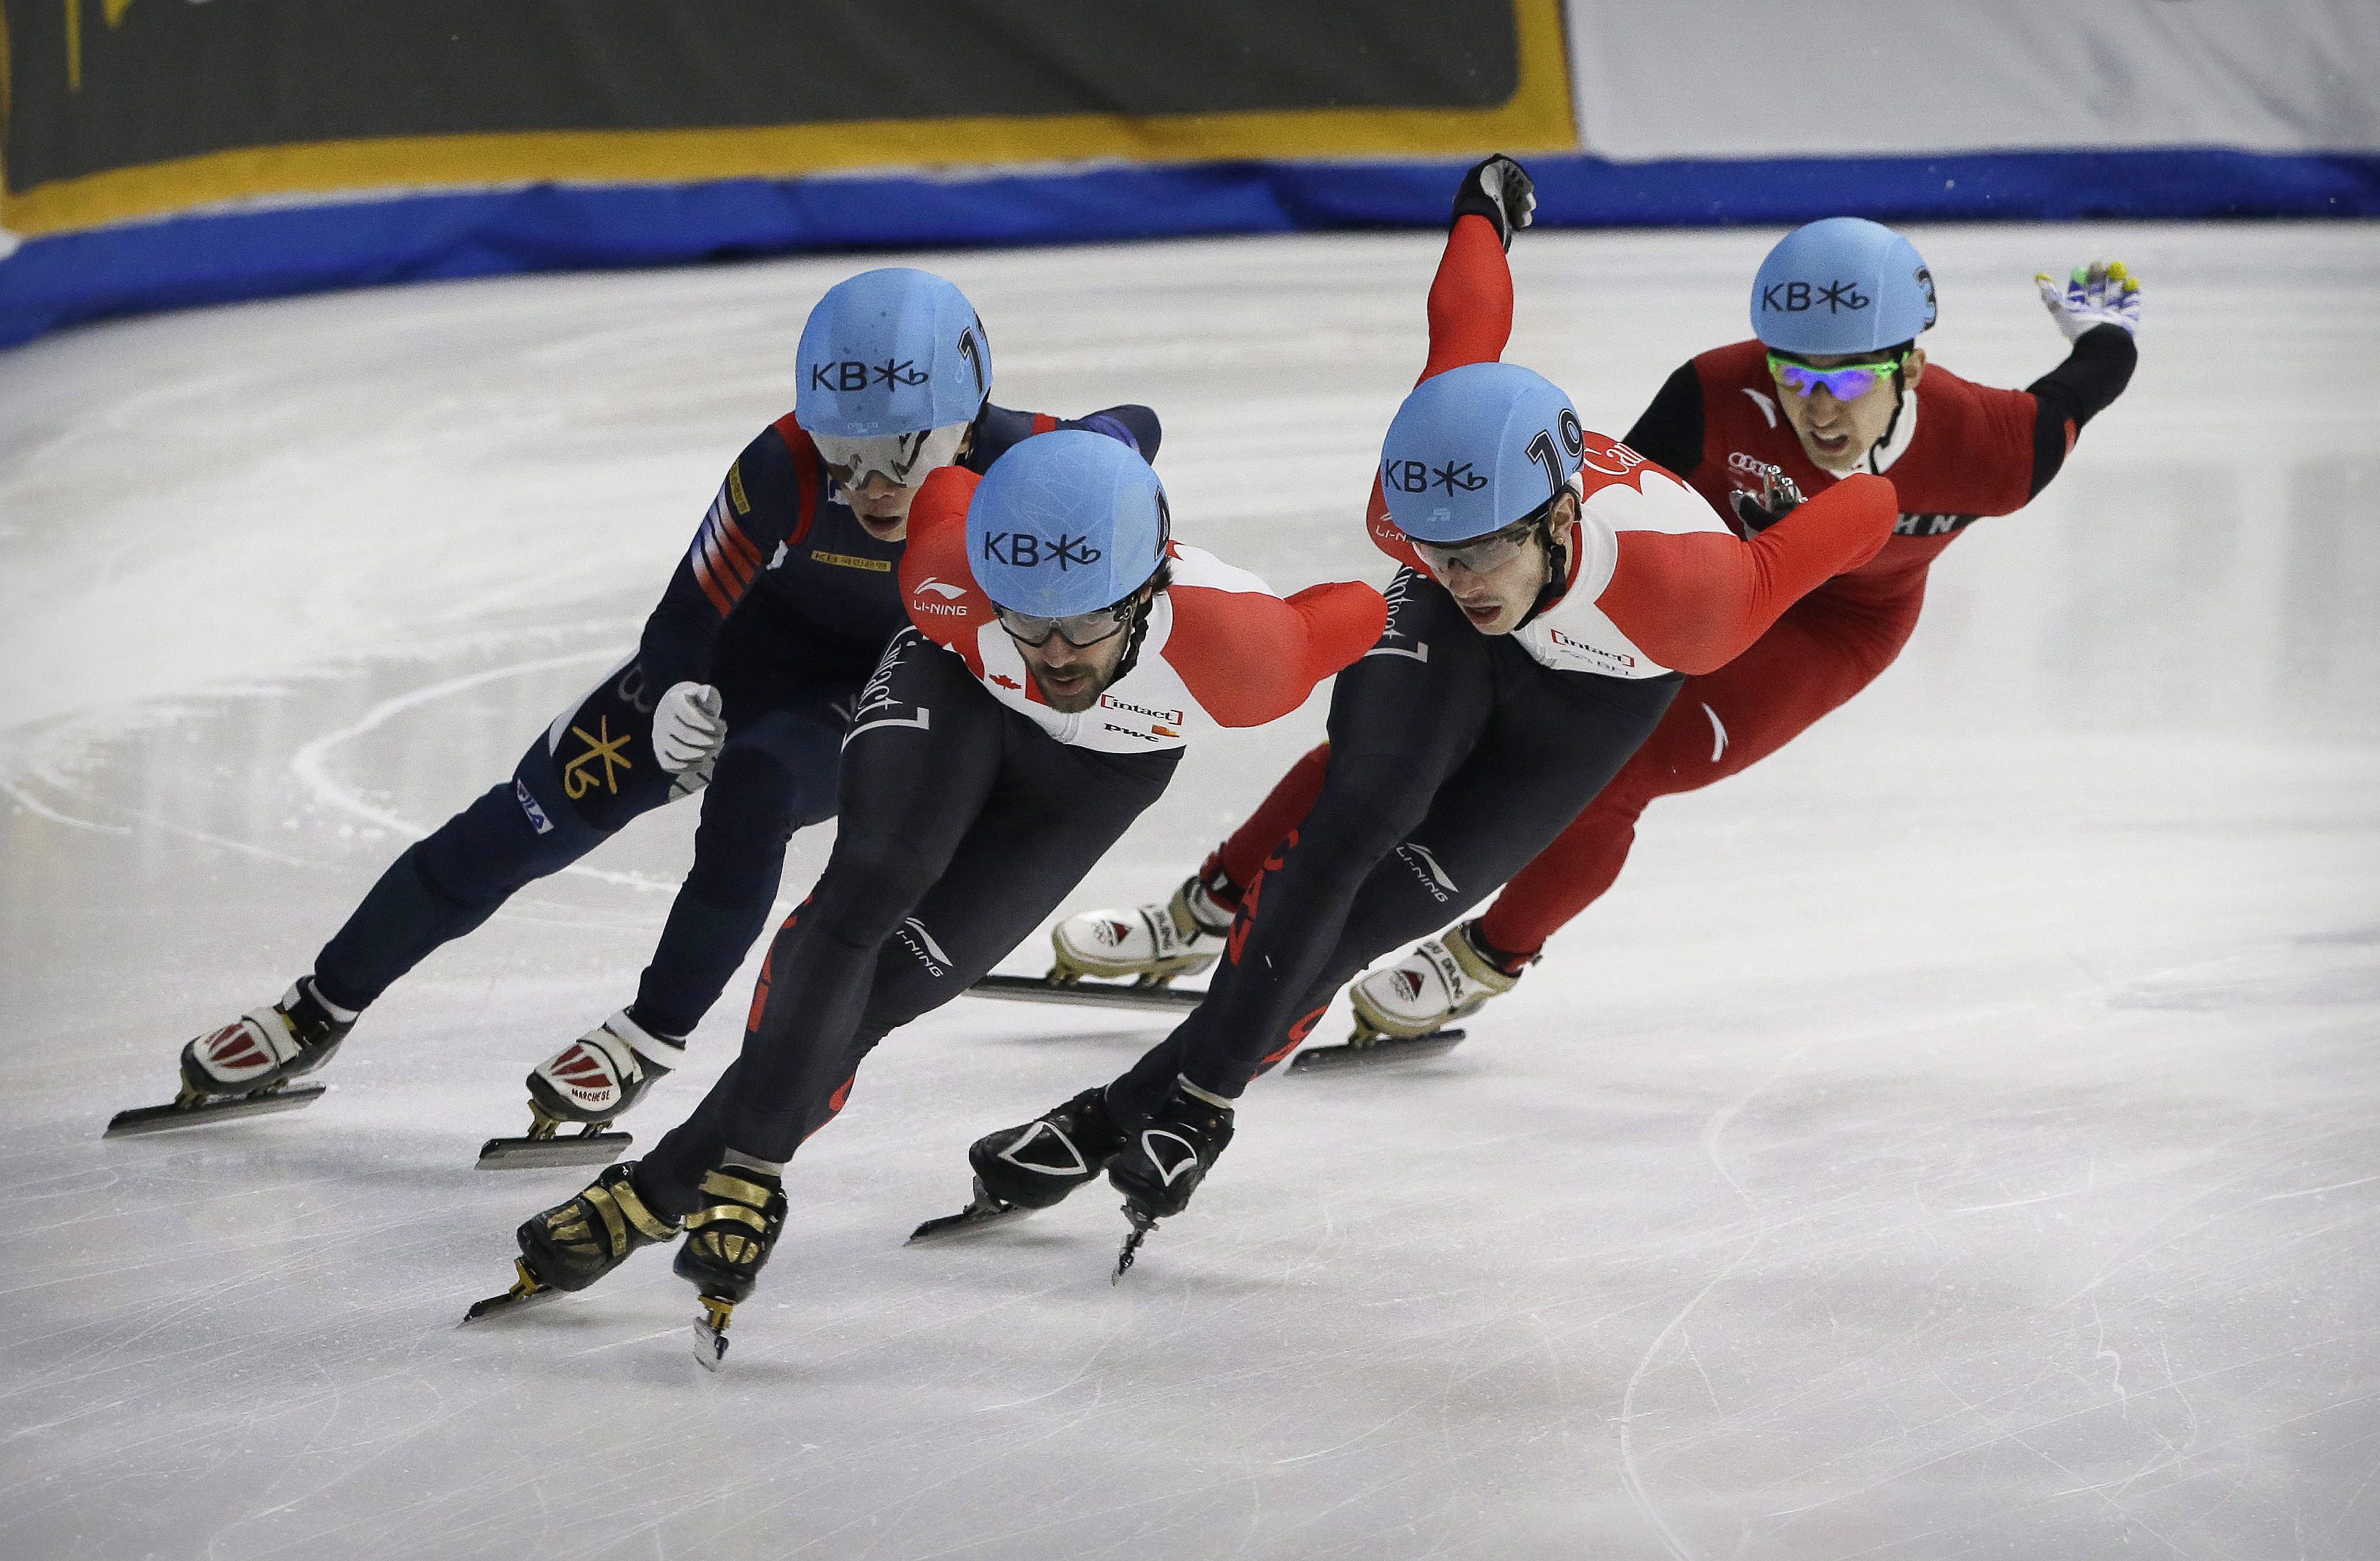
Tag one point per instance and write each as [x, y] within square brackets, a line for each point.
[1024, 550]
[1420, 476]
[1800, 297]
[853, 375]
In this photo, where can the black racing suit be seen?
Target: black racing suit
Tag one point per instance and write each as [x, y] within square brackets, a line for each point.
[1455, 759]
[962, 825]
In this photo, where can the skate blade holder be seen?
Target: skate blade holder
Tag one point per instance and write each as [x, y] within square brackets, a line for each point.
[526, 1292]
[981, 1213]
[711, 1333]
[545, 1145]
[1374, 1050]
[189, 1111]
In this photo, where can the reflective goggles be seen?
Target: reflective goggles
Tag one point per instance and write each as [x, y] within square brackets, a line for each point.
[1082, 631]
[1481, 554]
[902, 459]
[1845, 381]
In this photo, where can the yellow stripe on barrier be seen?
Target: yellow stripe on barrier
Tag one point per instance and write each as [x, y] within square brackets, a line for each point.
[1535, 119]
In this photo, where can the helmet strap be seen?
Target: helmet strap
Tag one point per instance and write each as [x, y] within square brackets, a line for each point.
[1557, 556]
[1139, 629]
[1899, 401]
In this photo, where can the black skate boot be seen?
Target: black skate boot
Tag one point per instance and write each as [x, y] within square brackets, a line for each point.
[1018, 1170]
[727, 1242]
[594, 1080]
[577, 1242]
[245, 1068]
[1167, 1159]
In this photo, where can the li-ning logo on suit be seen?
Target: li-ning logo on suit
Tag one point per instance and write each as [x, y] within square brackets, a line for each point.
[921, 944]
[1427, 872]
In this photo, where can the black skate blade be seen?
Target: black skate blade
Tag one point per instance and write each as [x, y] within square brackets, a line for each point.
[976, 1216]
[1372, 1053]
[1141, 1226]
[1091, 994]
[166, 1118]
[562, 1149]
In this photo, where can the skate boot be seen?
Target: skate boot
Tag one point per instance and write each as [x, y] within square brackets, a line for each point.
[727, 1242]
[1154, 943]
[579, 1241]
[1442, 980]
[1018, 1170]
[1164, 1162]
[589, 1082]
[245, 1068]
[268, 1046]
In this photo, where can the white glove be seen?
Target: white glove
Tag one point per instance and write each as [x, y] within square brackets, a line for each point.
[687, 727]
[2102, 293]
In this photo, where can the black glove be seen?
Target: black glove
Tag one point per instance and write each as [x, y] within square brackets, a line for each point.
[1500, 190]
[1773, 503]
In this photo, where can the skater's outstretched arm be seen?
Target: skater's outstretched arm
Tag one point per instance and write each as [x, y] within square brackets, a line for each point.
[1249, 657]
[1695, 600]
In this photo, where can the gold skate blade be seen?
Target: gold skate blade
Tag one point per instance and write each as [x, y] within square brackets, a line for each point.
[526, 1292]
[166, 1118]
[530, 1153]
[1374, 1051]
[711, 1333]
[1089, 993]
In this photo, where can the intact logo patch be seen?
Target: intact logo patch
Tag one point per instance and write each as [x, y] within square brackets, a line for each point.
[852, 561]
[1112, 702]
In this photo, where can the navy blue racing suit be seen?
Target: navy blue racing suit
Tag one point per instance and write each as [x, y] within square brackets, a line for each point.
[783, 603]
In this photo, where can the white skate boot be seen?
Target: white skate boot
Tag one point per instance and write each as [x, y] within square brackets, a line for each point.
[589, 1082]
[1154, 943]
[1441, 981]
[245, 1067]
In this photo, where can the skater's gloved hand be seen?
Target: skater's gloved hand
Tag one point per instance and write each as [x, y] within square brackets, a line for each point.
[1500, 190]
[687, 727]
[1778, 498]
[2100, 293]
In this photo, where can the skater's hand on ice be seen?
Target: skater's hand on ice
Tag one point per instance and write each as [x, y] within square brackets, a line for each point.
[687, 727]
[2101, 293]
[1500, 190]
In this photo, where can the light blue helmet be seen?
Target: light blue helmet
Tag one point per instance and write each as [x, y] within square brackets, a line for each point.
[1841, 285]
[1066, 522]
[891, 351]
[1475, 449]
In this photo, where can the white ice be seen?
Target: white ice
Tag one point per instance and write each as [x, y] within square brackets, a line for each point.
[1957, 1137]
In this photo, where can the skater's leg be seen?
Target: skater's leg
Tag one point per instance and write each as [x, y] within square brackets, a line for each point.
[924, 755]
[776, 774]
[1402, 720]
[1554, 739]
[590, 773]
[1813, 660]
[1242, 856]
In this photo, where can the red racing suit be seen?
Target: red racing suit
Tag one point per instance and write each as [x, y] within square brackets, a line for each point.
[1957, 451]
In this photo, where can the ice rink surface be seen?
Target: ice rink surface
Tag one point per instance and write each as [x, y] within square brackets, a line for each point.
[1957, 1137]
